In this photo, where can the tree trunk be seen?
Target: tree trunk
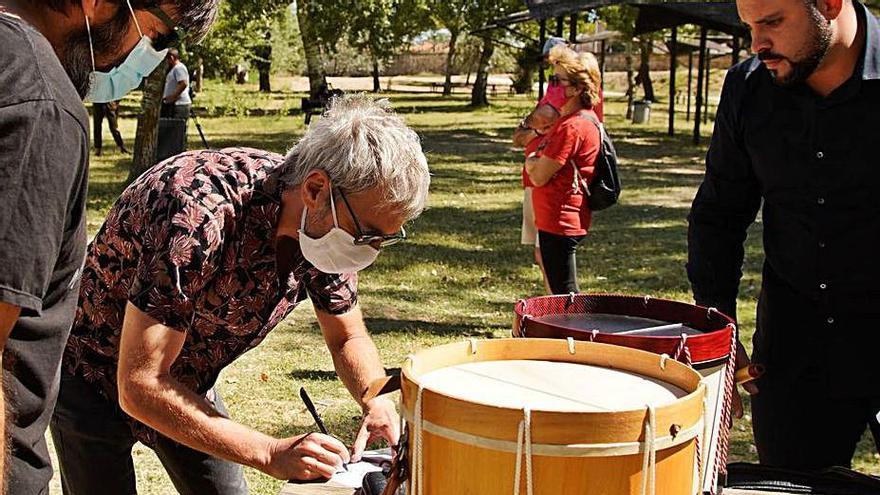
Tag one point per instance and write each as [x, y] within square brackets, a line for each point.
[314, 68]
[199, 78]
[263, 61]
[450, 58]
[146, 139]
[481, 83]
[377, 85]
[644, 77]
[630, 83]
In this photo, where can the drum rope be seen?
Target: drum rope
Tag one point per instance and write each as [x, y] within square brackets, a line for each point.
[649, 459]
[524, 442]
[682, 350]
[560, 450]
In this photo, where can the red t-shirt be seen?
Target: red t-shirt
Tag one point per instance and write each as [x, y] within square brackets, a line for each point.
[534, 145]
[574, 140]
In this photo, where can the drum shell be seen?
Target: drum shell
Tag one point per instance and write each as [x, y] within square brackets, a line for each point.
[710, 353]
[461, 467]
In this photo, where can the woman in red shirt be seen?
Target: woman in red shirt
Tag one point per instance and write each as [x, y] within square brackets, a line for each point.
[568, 154]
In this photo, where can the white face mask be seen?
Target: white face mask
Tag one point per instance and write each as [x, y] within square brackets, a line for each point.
[336, 251]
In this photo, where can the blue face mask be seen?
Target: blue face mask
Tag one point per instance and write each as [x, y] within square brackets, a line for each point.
[111, 86]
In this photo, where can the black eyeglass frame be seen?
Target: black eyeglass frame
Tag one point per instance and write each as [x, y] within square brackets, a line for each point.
[363, 238]
[175, 33]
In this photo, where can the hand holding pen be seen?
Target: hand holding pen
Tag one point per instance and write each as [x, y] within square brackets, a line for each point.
[314, 412]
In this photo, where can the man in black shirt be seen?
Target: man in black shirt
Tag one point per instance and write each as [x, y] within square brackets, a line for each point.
[48, 53]
[796, 128]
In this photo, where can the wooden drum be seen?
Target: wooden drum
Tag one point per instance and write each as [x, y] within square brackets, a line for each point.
[699, 337]
[550, 417]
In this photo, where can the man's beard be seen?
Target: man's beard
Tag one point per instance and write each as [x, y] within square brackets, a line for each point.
[106, 38]
[802, 69]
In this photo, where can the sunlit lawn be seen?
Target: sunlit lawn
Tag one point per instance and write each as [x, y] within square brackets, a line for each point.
[464, 268]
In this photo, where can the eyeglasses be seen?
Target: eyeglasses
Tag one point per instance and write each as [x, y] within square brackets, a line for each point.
[174, 34]
[363, 238]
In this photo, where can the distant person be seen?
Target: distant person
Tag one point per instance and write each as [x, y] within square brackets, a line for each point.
[543, 119]
[110, 110]
[176, 100]
[569, 153]
[554, 97]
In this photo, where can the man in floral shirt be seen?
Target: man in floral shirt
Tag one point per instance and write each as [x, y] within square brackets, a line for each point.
[196, 263]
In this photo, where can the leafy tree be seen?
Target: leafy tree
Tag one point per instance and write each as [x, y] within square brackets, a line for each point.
[380, 28]
[452, 16]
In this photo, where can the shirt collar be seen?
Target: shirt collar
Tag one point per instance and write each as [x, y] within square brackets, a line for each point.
[870, 65]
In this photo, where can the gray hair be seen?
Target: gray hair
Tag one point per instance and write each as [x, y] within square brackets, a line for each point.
[362, 144]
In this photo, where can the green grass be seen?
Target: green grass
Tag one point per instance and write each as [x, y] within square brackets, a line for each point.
[464, 268]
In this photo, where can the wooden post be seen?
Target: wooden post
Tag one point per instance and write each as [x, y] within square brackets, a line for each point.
[542, 38]
[673, 66]
[573, 28]
[700, 74]
[560, 22]
[690, 82]
[602, 63]
[708, 77]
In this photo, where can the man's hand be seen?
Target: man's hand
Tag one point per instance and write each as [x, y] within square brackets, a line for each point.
[306, 457]
[742, 361]
[380, 421]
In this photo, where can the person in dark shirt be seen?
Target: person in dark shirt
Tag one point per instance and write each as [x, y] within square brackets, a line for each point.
[795, 132]
[50, 51]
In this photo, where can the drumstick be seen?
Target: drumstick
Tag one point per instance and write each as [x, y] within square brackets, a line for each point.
[748, 373]
[659, 328]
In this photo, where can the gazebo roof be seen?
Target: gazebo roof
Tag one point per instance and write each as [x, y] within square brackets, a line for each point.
[713, 15]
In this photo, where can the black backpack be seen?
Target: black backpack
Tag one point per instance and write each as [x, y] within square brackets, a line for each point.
[604, 190]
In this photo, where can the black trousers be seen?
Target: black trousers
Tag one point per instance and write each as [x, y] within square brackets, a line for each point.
[94, 445]
[821, 390]
[560, 263]
[798, 427]
[105, 110]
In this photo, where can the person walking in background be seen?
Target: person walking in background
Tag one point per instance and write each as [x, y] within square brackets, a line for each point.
[109, 110]
[568, 155]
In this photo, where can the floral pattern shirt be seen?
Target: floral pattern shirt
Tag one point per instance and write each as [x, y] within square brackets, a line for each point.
[192, 244]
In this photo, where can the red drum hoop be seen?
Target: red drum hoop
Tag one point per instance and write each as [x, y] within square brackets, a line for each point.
[708, 348]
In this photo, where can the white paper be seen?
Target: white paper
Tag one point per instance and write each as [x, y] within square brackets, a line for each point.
[372, 461]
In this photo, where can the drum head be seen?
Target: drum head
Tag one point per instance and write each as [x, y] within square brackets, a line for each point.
[550, 386]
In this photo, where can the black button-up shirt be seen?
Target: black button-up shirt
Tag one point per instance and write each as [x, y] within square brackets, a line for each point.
[814, 162]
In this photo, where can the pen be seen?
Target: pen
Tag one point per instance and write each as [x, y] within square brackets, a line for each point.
[314, 412]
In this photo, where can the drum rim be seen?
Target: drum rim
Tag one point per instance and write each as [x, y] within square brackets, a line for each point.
[709, 348]
[593, 427]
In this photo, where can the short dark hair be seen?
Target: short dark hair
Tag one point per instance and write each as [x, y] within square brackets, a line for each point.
[195, 17]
